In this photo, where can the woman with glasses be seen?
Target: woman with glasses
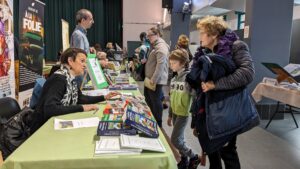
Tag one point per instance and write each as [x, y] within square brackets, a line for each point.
[156, 71]
[61, 95]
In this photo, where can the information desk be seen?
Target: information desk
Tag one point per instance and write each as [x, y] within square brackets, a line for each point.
[280, 94]
[68, 149]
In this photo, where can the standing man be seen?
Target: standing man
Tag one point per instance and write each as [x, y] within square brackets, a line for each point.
[84, 20]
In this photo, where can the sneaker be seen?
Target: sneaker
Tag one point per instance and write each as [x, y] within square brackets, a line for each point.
[194, 162]
[183, 164]
[165, 106]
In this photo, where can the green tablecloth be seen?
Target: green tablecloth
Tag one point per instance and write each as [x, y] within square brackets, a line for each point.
[66, 149]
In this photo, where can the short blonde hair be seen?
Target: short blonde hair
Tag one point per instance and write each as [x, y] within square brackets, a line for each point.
[183, 41]
[212, 25]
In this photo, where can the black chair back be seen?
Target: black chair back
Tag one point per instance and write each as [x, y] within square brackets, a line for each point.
[8, 107]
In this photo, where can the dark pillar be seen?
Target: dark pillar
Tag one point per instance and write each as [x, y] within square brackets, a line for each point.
[270, 25]
[180, 23]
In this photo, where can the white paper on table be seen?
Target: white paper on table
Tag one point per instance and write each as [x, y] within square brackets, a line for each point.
[97, 92]
[152, 144]
[60, 124]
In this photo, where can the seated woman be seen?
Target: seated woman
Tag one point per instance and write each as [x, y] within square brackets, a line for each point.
[61, 95]
[101, 56]
[110, 51]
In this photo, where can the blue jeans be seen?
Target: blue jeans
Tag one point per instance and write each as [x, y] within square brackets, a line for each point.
[177, 137]
[153, 99]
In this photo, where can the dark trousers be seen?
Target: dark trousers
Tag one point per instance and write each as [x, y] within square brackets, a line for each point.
[228, 154]
[153, 99]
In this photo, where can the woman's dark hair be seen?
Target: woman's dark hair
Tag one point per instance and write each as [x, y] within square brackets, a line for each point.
[143, 36]
[156, 31]
[70, 53]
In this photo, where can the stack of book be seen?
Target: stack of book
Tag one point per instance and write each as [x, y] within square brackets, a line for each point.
[128, 115]
[123, 87]
[122, 79]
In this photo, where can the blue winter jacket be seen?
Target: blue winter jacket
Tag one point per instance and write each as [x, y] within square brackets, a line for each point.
[227, 111]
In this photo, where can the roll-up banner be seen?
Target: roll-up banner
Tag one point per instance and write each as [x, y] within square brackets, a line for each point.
[31, 47]
[7, 71]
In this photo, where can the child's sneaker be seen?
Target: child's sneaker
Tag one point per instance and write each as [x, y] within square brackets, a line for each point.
[183, 164]
[165, 105]
[194, 162]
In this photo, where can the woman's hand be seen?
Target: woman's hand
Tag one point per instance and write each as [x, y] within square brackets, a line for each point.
[151, 82]
[90, 107]
[143, 61]
[169, 121]
[207, 86]
[111, 94]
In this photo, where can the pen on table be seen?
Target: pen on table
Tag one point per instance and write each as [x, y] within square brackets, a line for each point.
[95, 111]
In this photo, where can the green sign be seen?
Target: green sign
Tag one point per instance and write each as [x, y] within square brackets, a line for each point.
[95, 72]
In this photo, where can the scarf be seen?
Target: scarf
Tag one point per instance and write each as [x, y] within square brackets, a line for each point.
[71, 96]
[223, 47]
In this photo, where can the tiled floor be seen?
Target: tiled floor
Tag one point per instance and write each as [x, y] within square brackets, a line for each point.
[261, 149]
[278, 147]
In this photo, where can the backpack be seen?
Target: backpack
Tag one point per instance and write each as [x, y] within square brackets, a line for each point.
[37, 91]
[139, 72]
[14, 131]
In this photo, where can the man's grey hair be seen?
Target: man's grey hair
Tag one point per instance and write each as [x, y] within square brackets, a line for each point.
[82, 14]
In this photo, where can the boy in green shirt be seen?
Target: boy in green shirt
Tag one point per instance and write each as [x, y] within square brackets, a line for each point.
[180, 100]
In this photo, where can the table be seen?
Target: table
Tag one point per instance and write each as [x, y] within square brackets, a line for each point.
[284, 95]
[68, 149]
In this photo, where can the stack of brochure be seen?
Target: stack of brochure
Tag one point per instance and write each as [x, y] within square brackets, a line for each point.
[111, 145]
[151, 144]
[127, 145]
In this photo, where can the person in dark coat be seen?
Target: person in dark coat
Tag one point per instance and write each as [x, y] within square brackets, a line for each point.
[220, 46]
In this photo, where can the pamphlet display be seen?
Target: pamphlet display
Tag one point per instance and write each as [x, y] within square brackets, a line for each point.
[95, 72]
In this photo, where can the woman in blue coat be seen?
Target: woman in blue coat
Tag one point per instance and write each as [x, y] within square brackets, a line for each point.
[221, 70]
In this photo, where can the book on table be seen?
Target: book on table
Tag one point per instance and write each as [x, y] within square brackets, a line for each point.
[106, 128]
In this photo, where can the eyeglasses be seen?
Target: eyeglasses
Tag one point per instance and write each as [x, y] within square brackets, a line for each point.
[149, 35]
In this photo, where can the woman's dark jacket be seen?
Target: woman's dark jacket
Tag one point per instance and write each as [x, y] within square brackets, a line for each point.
[230, 79]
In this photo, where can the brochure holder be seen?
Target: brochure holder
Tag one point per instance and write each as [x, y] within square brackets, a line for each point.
[281, 73]
[95, 72]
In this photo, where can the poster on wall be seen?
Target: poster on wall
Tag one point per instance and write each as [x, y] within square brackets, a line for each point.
[7, 74]
[31, 46]
[65, 34]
